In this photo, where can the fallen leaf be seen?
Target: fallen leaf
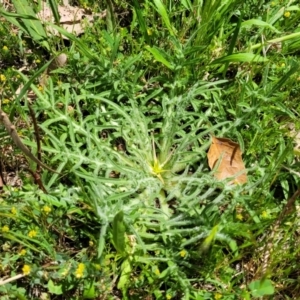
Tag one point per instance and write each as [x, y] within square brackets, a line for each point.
[227, 156]
[73, 19]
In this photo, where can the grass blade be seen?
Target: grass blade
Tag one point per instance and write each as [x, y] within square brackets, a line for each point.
[163, 12]
[141, 20]
[84, 49]
[158, 55]
[239, 57]
[54, 9]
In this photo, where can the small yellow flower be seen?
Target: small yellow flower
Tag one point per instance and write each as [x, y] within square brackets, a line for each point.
[265, 214]
[32, 233]
[149, 31]
[239, 217]
[157, 272]
[2, 77]
[80, 270]
[4, 48]
[168, 297]
[91, 243]
[26, 269]
[5, 228]
[22, 252]
[183, 253]
[287, 14]
[46, 209]
[13, 210]
[37, 61]
[218, 296]
[282, 65]
[5, 101]
[40, 88]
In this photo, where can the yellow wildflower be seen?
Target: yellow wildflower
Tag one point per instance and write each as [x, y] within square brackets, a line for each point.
[264, 214]
[218, 296]
[287, 14]
[13, 210]
[183, 253]
[26, 269]
[22, 252]
[32, 233]
[91, 243]
[149, 31]
[80, 270]
[4, 48]
[46, 209]
[37, 61]
[168, 297]
[40, 88]
[5, 101]
[2, 77]
[157, 272]
[5, 228]
[239, 217]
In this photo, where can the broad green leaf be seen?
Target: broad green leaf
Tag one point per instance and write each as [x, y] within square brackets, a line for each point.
[158, 55]
[20, 294]
[89, 290]
[119, 232]
[259, 23]
[163, 12]
[260, 288]
[125, 275]
[34, 26]
[240, 57]
[53, 288]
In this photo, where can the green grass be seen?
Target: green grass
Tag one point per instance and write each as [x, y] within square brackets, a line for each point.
[135, 210]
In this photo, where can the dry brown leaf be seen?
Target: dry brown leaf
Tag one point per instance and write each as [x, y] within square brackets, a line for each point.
[73, 19]
[227, 156]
